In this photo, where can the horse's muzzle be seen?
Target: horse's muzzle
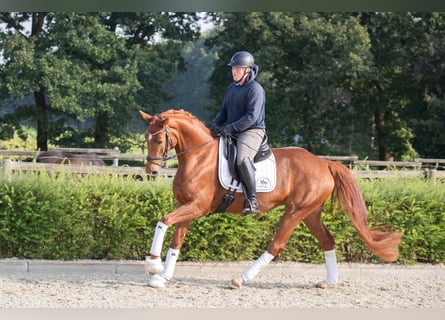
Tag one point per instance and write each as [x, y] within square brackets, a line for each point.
[154, 173]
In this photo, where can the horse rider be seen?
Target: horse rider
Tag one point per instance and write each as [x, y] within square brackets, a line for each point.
[242, 116]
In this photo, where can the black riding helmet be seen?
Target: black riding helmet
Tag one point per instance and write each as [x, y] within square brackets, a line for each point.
[241, 59]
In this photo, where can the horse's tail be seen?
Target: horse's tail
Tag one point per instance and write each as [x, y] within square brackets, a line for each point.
[348, 196]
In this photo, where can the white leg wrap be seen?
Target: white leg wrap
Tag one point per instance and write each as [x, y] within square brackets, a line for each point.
[170, 263]
[156, 245]
[331, 267]
[253, 270]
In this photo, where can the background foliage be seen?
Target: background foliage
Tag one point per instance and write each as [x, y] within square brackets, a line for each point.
[91, 217]
[364, 83]
[344, 82]
[96, 66]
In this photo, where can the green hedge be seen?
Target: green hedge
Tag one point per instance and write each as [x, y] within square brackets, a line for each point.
[92, 217]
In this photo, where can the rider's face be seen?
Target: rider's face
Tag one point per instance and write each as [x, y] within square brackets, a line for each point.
[238, 73]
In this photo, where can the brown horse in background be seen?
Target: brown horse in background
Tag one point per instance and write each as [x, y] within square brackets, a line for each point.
[304, 183]
[57, 156]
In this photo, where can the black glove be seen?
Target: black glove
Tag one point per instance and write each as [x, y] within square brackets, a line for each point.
[219, 131]
[214, 128]
[224, 132]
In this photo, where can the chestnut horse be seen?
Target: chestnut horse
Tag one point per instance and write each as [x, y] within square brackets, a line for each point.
[304, 183]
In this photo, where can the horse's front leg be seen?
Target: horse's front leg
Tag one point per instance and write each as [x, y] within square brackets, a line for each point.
[153, 263]
[163, 273]
[181, 218]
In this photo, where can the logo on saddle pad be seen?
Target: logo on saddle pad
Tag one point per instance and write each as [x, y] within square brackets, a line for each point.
[265, 174]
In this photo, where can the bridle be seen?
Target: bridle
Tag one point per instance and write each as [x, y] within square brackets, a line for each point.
[168, 142]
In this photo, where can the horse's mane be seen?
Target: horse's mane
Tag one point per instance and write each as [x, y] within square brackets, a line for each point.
[185, 114]
[179, 111]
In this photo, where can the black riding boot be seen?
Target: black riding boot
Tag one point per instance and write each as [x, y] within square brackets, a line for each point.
[247, 173]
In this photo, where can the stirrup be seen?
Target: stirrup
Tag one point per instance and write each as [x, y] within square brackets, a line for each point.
[251, 206]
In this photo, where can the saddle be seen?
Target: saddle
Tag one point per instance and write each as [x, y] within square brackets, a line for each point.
[265, 170]
[230, 154]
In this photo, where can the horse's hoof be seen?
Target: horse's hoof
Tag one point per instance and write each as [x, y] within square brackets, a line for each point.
[325, 285]
[236, 283]
[156, 281]
[153, 266]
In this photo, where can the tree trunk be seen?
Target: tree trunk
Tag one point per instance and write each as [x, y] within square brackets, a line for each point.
[101, 131]
[42, 121]
[38, 19]
[379, 121]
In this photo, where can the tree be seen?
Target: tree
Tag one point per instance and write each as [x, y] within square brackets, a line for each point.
[99, 79]
[312, 67]
[395, 39]
[189, 90]
[426, 114]
[363, 83]
[102, 66]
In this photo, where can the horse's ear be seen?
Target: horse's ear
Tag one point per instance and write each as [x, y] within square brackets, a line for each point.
[145, 116]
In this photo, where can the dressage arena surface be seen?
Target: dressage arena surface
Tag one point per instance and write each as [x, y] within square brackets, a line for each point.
[122, 284]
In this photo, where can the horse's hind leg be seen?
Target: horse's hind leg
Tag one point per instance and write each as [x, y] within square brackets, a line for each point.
[327, 243]
[288, 223]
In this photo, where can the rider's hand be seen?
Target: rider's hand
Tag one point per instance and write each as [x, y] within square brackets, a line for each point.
[224, 132]
[219, 131]
[214, 128]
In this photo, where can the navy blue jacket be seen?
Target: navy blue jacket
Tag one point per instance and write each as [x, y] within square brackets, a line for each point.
[244, 106]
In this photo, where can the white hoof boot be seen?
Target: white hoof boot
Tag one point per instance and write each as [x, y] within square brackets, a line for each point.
[236, 283]
[325, 285]
[156, 281]
[153, 266]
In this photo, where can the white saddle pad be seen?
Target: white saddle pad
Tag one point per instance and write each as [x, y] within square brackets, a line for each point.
[265, 174]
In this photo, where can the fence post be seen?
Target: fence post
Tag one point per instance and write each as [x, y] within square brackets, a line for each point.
[6, 169]
[433, 175]
[116, 160]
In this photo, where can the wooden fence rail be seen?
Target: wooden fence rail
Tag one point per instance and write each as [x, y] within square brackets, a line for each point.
[115, 154]
[420, 167]
[432, 163]
[105, 154]
[8, 166]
